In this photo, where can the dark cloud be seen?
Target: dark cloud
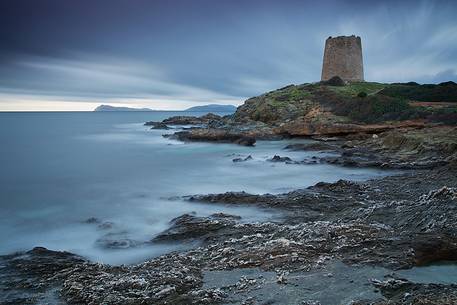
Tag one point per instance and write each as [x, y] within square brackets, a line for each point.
[204, 50]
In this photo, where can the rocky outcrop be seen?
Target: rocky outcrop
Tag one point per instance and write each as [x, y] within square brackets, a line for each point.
[157, 125]
[403, 148]
[191, 120]
[190, 226]
[214, 135]
[184, 120]
[329, 126]
[35, 276]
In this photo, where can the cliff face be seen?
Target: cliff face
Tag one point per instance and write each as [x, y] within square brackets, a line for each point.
[343, 58]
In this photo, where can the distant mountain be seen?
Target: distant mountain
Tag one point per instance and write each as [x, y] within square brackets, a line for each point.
[114, 108]
[213, 108]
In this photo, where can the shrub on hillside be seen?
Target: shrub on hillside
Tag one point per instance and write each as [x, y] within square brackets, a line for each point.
[447, 116]
[443, 92]
[334, 81]
[375, 108]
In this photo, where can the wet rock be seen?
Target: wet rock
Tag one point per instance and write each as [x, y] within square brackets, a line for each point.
[157, 125]
[402, 292]
[34, 277]
[191, 120]
[189, 226]
[214, 135]
[92, 220]
[172, 279]
[236, 160]
[277, 158]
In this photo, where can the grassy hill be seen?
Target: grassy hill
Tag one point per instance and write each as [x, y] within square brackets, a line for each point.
[362, 102]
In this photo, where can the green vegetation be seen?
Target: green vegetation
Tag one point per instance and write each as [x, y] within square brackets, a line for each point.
[446, 115]
[362, 102]
[377, 108]
[444, 92]
[290, 93]
[362, 94]
[353, 89]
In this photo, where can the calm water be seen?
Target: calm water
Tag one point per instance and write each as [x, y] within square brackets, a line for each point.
[59, 169]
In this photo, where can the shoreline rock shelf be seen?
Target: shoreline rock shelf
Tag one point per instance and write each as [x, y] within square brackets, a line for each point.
[395, 222]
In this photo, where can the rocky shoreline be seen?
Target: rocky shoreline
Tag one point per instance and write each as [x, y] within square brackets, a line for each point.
[337, 243]
[392, 223]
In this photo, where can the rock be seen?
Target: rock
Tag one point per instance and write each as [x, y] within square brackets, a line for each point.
[213, 135]
[191, 120]
[281, 279]
[277, 158]
[189, 226]
[157, 125]
[31, 277]
[242, 159]
[92, 220]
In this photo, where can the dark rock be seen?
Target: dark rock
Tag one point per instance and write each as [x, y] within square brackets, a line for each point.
[191, 120]
[92, 220]
[277, 158]
[34, 277]
[213, 135]
[242, 159]
[157, 125]
[189, 226]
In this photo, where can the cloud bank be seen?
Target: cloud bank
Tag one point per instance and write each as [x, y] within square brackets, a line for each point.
[72, 55]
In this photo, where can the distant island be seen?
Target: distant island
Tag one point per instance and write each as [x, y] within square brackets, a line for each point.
[114, 108]
[203, 108]
[213, 108]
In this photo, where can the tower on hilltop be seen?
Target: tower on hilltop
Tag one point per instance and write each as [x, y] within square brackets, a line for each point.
[343, 58]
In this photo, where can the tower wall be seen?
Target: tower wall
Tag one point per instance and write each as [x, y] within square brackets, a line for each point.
[343, 58]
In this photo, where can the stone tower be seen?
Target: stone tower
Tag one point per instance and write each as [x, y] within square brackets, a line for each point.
[343, 58]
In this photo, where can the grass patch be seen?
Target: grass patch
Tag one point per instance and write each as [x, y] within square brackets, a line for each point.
[290, 93]
[353, 89]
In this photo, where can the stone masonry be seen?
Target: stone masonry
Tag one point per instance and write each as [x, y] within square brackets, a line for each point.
[343, 58]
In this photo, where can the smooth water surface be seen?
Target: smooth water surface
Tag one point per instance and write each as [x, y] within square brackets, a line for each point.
[443, 273]
[59, 169]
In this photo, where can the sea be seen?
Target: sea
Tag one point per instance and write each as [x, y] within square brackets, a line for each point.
[102, 185]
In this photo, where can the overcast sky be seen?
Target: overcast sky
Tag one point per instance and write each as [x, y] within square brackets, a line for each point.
[170, 54]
